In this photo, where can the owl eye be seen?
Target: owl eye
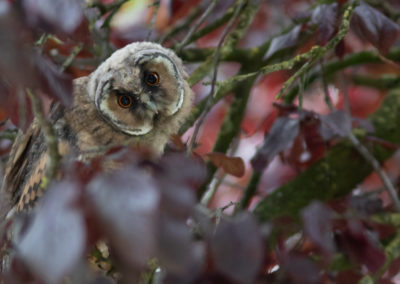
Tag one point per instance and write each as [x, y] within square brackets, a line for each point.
[125, 101]
[152, 79]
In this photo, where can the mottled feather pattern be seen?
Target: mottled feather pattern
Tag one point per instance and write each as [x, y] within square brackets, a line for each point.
[96, 121]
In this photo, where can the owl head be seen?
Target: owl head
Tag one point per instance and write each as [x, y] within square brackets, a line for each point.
[137, 86]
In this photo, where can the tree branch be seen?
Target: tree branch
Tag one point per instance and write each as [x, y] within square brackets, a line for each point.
[50, 137]
[338, 172]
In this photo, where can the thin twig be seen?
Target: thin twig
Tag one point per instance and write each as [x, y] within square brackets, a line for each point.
[318, 52]
[249, 191]
[156, 6]
[327, 98]
[71, 57]
[42, 42]
[113, 9]
[214, 184]
[378, 169]
[50, 137]
[301, 93]
[181, 25]
[389, 62]
[9, 134]
[214, 78]
[194, 28]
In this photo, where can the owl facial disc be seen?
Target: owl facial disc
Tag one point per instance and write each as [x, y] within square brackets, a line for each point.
[139, 87]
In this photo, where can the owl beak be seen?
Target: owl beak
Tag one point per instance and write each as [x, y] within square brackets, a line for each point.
[151, 105]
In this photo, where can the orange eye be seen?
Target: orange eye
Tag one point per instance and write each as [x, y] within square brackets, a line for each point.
[125, 101]
[152, 79]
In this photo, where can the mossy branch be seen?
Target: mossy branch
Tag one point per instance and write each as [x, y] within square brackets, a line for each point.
[364, 57]
[338, 172]
[231, 124]
[318, 52]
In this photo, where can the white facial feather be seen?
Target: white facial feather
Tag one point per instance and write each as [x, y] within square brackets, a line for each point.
[135, 54]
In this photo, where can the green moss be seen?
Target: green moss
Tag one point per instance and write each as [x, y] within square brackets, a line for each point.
[338, 172]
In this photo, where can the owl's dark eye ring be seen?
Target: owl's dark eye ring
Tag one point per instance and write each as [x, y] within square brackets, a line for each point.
[125, 101]
[152, 79]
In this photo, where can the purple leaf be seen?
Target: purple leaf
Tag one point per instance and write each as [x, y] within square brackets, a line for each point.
[317, 220]
[301, 269]
[364, 123]
[337, 123]
[281, 136]
[179, 167]
[15, 54]
[54, 14]
[126, 204]
[237, 248]
[325, 16]
[55, 240]
[55, 83]
[374, 27]
[176, 251]
[287, 40]
[365, 204]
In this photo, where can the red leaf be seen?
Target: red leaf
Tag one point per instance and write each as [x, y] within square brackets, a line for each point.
[359, 244]
[374, 27]
[177, 142]
[231, 165]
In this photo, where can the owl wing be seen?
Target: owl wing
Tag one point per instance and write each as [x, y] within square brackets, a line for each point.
[27, 163]
[21, 164]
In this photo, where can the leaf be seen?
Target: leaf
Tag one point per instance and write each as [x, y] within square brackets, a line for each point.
[365, 204]
[177, 253]
[231, 165]
[179, 167]
[55, 241]
[337, 123]
[358, 243]
[177, 142]
[287, 40]
[126, 205]
[317, 220]
[54, 14]
[53, 82]
[283, 132]
[325, 17]
[237, 248]
[176, 250]
[364, 123]
[301, 269]
[373, 26]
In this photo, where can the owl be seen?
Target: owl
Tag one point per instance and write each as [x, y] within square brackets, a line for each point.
[138, 96]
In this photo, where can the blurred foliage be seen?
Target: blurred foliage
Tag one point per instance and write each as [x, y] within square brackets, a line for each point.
[275, 188]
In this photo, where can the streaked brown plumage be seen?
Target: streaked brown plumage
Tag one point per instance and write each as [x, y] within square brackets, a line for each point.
[138, 96]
